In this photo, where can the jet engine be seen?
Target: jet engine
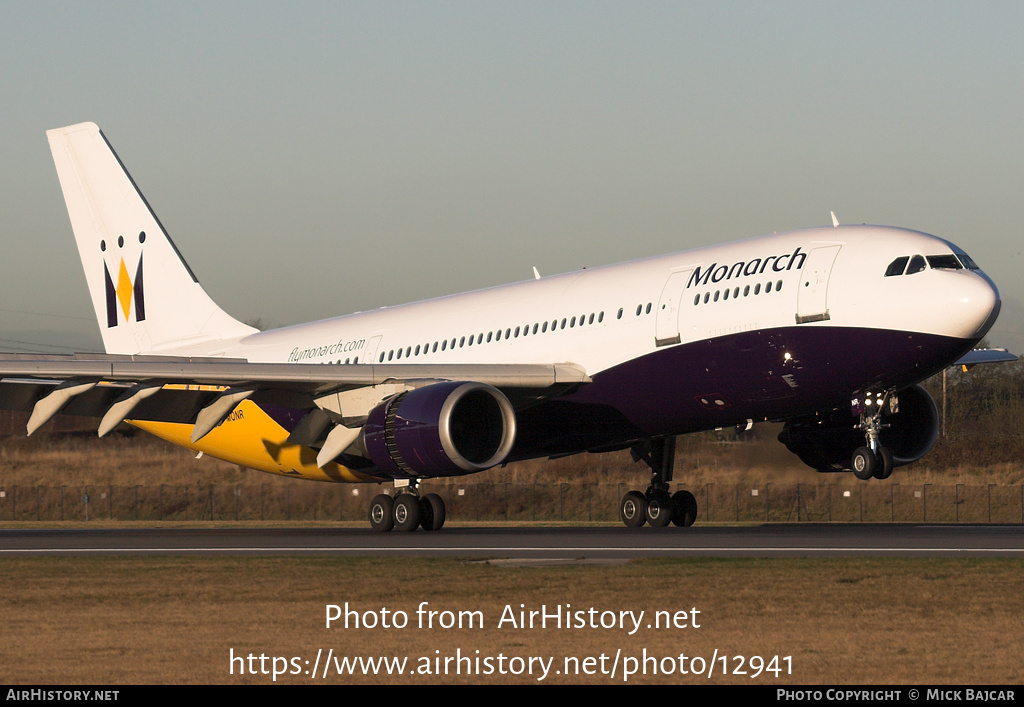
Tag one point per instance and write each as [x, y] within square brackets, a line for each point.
[443, 429]
[827, 442]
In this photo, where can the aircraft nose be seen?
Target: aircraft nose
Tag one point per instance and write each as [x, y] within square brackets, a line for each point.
[973, 304]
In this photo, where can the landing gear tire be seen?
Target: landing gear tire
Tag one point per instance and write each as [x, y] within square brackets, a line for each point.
[884, 470]
[659, 509]
[684, 509]
[633, 509]
[407, 513]
[432, 512]
[864, 463]
[382, 518]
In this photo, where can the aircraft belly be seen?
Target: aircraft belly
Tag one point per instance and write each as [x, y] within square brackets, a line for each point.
[772, 374]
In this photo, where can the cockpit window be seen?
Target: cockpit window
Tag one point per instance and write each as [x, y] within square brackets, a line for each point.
[917, 264]
[958, 260]
[897, 266]
[944, 262]
[966, 260]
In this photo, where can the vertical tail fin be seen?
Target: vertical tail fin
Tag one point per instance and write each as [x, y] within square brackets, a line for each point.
[147, 299]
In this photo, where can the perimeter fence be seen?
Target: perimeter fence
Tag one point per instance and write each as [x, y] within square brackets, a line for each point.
[545, 502]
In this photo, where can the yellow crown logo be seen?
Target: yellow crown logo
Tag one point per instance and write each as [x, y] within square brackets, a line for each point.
[126, 291]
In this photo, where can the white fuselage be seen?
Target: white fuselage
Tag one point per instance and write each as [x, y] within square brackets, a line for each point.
[602, 317]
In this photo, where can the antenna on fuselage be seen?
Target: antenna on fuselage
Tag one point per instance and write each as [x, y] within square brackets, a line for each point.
[835, 221]
[536, 275]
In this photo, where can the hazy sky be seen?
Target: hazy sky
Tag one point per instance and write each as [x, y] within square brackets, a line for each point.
[314, 159]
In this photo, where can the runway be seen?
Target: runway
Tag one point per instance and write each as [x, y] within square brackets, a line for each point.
[539, 544]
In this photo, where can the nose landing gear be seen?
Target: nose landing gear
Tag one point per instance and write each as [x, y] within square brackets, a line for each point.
[873, 460]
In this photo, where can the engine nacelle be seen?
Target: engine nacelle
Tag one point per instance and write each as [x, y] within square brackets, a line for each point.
[827, 442]
[443, 429]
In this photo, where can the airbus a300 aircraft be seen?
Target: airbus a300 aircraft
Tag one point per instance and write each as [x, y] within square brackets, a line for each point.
[826, 329]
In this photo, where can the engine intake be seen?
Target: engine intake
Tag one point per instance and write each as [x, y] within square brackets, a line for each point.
[827, 442]
[443, 429]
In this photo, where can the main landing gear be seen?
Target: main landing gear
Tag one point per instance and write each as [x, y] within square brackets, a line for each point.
[873, 460]
[406, 512]
[656, 506]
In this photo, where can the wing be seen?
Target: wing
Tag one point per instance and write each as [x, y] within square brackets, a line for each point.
[204, 392]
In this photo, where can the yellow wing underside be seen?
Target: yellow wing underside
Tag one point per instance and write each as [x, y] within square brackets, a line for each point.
[251, 438]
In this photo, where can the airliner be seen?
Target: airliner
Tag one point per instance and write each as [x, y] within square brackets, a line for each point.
[828, 330]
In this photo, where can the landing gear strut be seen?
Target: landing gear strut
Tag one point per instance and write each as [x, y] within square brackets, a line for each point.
[407, 511]
[656, 506]
[873, 460]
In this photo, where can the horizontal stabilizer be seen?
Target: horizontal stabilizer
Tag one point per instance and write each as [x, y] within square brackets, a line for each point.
[973, 358]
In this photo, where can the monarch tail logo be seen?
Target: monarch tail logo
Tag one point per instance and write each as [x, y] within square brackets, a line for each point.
[125, 291]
